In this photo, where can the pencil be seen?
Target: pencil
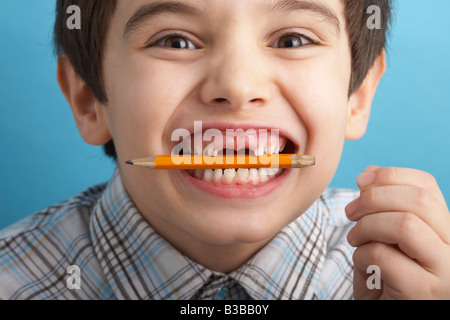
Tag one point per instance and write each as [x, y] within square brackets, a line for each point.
[188, 162]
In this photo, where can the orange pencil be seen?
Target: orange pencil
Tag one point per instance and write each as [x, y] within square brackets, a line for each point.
[189, 162]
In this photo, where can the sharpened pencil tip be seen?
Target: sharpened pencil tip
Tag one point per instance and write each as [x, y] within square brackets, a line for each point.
[130, 162]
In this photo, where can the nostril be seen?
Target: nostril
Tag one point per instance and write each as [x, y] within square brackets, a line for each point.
[237, 103]
[220, 100]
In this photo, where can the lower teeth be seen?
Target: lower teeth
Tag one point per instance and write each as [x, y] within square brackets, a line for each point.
[236, 176]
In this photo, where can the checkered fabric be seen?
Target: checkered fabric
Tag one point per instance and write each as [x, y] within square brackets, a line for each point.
[120, 256]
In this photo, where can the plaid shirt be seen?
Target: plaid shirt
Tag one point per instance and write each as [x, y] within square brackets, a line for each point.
[120, 256]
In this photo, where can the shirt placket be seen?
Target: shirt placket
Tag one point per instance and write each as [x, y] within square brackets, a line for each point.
[216, 288]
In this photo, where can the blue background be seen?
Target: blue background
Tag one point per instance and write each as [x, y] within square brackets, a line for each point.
[44, 161]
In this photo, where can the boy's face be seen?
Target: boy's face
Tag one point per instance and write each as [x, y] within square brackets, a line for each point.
[230, 64]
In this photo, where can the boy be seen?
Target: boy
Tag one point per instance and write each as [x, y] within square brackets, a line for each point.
[139, 70]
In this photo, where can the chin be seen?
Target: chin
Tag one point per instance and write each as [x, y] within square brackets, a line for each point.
[241, 225]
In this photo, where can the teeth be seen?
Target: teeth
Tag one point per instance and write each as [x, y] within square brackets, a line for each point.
[263, 148]
[243, 174]
[208, 175]
[259, 145]
[273, 149]
[210, 151]
[229, 175]
[263, 175]
[239, 176]
[271, 171]
[259, 152]
[254, 176]
[218, 175]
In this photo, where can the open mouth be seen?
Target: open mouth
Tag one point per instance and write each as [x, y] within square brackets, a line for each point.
[246, 144]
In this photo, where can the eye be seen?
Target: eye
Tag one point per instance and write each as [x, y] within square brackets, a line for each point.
[292, 41]
[175, 41]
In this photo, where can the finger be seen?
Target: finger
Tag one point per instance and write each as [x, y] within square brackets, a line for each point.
[402, 277]
[361, 289]
[402, 229]
[421, 202]
[371, 168]
[374, 176]
[387, 176]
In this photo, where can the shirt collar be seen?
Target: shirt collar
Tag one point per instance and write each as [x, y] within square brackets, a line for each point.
[139, 264]
[290, 265]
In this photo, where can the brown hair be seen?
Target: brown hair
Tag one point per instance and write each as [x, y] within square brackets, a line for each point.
[84, 47]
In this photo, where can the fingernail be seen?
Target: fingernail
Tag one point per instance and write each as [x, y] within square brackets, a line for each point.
[371, 168]
[351, 208]
[366, 179]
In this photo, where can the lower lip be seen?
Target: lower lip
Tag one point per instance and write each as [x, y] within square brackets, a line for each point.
[237, 192]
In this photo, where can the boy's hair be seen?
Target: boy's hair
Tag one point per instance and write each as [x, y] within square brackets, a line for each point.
[84, 47]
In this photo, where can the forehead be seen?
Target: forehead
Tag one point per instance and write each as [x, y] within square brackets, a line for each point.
[133, 13]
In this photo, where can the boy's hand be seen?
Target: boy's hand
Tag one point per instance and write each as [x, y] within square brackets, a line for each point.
[403, 227]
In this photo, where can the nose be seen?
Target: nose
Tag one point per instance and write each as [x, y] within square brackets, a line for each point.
[237, 79]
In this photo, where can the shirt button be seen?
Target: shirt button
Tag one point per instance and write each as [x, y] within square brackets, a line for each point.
[221, 293]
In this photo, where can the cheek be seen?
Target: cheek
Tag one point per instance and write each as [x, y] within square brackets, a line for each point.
[319, 95]
[326, 83]
[142, 104]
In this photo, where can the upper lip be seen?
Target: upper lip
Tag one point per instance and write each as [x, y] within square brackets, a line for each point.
[223, 126]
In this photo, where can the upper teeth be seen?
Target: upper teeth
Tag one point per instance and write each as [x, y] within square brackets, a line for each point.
[211, 150]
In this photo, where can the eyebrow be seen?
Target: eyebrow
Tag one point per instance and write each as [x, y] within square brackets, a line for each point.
[152, 9]
[316, 8]
[149, 10]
